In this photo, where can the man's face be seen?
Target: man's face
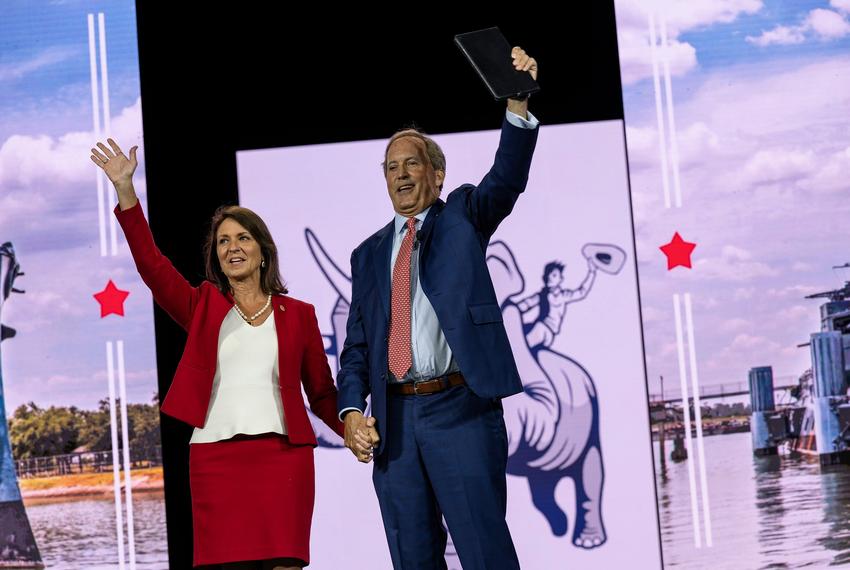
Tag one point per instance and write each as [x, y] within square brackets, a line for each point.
[412, 182]
[554, 278]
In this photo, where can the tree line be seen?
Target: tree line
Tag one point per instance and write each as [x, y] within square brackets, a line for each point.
[40, 432]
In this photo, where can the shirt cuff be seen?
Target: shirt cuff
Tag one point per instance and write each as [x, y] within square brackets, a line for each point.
[519, 122]
[342, 413]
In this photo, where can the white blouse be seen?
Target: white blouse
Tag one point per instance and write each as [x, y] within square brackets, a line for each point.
[246, 389]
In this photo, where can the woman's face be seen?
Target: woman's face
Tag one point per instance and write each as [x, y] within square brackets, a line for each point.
[238, 252]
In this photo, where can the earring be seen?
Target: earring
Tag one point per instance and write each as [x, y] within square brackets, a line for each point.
[263, 263]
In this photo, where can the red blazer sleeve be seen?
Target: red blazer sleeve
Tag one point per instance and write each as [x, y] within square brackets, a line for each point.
[170, 290]
[316, 374]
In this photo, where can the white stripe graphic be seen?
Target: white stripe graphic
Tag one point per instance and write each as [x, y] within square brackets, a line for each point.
[116, 473]
[687, 417]
[95, 103]
[107, 123]
[706, 513]
[671, 121]
[125, 440]
[659, 112]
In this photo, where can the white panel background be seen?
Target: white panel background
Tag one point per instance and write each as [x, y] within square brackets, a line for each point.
[577, 193]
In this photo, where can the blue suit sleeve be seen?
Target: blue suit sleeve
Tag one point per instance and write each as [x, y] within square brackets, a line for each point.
[494, 198]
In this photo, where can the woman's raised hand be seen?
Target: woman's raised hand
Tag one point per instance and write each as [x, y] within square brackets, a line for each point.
[118, 168]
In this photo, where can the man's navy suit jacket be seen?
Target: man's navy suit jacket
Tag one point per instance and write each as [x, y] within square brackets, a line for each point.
[453, 274]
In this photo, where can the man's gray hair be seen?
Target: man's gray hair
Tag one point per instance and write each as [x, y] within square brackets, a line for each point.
[435, 153]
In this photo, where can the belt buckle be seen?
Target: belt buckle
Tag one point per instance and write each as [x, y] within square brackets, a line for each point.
[416, 386]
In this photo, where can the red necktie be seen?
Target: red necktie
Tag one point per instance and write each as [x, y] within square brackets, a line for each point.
[401, 358]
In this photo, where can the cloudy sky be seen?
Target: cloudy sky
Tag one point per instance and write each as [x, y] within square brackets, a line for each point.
[48, 206]
[761, 105]
[761, 93]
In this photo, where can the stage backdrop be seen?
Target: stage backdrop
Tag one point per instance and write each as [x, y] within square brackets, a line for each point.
[737, 117]
[79, 376]
[321, 201]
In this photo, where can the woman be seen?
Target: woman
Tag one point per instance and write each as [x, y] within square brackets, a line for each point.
[249, 349]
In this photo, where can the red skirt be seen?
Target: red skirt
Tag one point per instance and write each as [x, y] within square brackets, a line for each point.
[252, 499]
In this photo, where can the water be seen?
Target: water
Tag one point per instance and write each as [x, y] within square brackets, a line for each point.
[766, 512]
[81, 533]
[773, 512]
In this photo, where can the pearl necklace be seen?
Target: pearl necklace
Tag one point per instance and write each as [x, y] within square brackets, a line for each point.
[250, 320]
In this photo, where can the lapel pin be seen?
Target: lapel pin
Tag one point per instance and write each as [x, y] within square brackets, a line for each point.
[282, 308]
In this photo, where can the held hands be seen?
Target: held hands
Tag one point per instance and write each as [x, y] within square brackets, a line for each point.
[118, 168]
[361, 437]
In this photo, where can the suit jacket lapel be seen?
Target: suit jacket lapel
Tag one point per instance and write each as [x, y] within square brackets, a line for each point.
[383, 253]
[219, 305]
[284, 326]
[428, 227]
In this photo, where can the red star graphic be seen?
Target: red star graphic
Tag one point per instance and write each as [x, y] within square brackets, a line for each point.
[111, 300]
[678, 252]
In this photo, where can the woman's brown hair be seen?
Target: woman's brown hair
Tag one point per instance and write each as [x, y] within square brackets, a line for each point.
[270, 280]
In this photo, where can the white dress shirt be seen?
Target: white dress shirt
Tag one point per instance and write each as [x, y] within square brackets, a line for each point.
[246, 388]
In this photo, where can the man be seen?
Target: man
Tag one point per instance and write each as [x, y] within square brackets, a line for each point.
[425, 338]
[551, 302]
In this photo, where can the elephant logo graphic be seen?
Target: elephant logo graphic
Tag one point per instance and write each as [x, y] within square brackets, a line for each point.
[553, 425]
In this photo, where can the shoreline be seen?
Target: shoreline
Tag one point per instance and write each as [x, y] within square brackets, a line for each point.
[87, 485]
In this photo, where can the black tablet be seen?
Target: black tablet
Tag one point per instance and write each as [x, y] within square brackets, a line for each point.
[490, 55]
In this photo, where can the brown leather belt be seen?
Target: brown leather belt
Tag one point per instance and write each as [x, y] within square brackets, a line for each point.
[431, 386]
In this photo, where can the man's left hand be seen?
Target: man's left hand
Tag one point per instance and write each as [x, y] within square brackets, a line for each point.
[522, 62]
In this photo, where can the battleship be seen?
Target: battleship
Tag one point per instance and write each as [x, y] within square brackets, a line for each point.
[816, 421]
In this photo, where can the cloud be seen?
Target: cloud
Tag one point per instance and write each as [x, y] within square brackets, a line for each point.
[821, 24]
[744, 293]
[48, 185]
[765, 166]
[132, 377]
[636, 56]
[747, 342]
[759, 106]
[697, 143]
[651, 314]
[27, 160]
[732, 141]
[834, 173]
[733, 264]
[840, 5]
[60, 283]
[734, 324]
[773, 165]
[796, 313]
[58, 355]
[780, 35]
[668, 349]
[827, 25]
[83, 390]
[739, 354]
[53, 304]
[643, 147]
[49, 57]
[633, 35]
[799, 291]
